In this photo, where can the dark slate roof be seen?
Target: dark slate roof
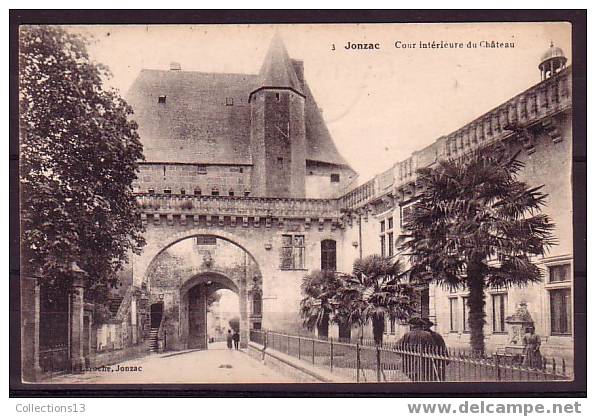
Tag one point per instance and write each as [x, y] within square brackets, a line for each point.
[195, 125]
[277, 69]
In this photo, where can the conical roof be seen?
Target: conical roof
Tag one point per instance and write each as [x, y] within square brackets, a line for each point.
[277, 70]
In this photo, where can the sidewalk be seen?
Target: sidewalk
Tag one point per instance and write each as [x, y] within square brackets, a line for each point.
[216, 365]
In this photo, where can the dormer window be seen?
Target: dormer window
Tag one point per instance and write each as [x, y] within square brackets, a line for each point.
[334, 177]
[167, 191]
[182, 191]
[161, 99]
[197, 191]
[214, 191]
[151, 191]
[231, 193]
[229, 101]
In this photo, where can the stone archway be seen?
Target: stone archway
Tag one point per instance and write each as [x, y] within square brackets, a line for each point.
[160, 239]
[193, 306]
[185, 296]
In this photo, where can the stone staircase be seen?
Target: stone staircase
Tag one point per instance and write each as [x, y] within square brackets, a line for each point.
[153, 339]
[114, 305]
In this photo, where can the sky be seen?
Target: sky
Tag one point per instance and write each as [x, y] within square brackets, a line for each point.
[379, 105]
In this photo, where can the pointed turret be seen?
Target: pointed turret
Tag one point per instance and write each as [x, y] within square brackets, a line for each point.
[278, 70]
[278, 131]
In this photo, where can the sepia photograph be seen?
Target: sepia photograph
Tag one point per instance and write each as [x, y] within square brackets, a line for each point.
[385, 203]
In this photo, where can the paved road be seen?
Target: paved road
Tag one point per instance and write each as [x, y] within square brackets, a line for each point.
[216, 365]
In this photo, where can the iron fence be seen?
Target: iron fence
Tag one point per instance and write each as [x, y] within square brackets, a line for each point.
[365, 361]
[54, 360]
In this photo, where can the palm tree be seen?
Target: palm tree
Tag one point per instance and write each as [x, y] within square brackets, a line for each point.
[476, 225]
[374, 291]
[317, 304]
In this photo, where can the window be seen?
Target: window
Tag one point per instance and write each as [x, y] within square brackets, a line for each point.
[151, 191]
[246, 193]
[161, 99]
[231, 193]
[280, 162]
[382, 226]
[292, 252]
[392, 325]
[214, 191]
[406, 212]
[334, 177]
[499, 302]
[453, 315]
[182, 191]
[560, 311]
[277, 96]
[390, 223]
[390, 243]
[167, 191]
[328, 255]
[202, 169]
[383, 245]
[229, 101]
[206, 240]
[257, 304]
[559, 273]
[256, 325]
[197, 191]
[465, 315]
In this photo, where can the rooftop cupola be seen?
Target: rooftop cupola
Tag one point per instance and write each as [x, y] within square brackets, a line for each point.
[278, 70]
[552, 61]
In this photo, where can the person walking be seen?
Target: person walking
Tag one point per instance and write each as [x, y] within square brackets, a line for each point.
[236, 338]
[229, 339]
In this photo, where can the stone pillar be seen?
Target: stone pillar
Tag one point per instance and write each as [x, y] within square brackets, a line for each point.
[77, 359]
[30, 307]
[197, 317]
[242, 298]
[133, 320]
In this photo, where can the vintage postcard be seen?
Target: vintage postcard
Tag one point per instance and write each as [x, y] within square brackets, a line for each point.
[296, 203]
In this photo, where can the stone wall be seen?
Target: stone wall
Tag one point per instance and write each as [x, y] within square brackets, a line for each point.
[194, 178]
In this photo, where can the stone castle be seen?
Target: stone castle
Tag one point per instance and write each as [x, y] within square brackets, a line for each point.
[244, 163]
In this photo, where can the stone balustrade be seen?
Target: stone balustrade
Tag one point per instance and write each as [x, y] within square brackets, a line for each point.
[170, 204]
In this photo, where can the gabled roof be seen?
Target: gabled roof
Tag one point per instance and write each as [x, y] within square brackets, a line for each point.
[277, 69]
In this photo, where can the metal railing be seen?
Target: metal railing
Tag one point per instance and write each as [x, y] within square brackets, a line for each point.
[365, 361]
[54, 360]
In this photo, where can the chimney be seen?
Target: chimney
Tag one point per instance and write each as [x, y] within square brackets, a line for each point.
[175, 66]
[299, 70]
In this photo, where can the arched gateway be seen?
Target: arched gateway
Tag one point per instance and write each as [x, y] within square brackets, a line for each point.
[184, 275]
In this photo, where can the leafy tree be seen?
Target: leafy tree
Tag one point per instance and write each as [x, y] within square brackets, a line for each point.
[212, 297]
[79, 153]
[319, 289]
[375, 291]
[476, 225]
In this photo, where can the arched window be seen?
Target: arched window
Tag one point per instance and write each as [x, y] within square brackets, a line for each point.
[328, 255]
[257, 304]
